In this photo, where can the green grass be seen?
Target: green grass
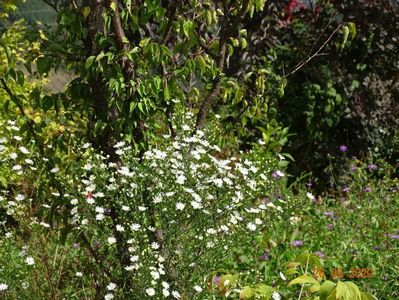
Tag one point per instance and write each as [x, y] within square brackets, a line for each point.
[355, 229]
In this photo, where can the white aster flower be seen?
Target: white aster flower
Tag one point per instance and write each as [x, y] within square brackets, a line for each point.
[45, 224]
[150, 292]
[3, 287]
[20, 197]
[111, 286]
[125, 208]
[23, 150]
[100, 217]
[276, 296]
[180, 206]
[111, 240]
[108, 296]
[181, 179]
[155, 245]
[197, 288]
[211, 231]
[196, 205]
[176, 294]
[310, 196]
[30, 261]
[134, 258]
[251, 226]
[165, 285]
[165, 293]
[135, 227]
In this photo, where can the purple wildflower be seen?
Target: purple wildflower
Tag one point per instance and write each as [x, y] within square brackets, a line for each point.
[319, 254]
[329, 214]
[265, 256]
[343, 148]
[353, 168]
[297, 243]
[394, 236]
[309, 184]
[372, 167]
[345, 189]
[277, 174]
[367, 189]
[330, 226]
[216, 279]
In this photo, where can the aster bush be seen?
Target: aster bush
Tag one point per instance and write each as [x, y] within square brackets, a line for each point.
[138, 227]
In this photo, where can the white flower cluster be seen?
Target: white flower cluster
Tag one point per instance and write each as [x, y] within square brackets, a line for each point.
[171, 205]
[173, 210]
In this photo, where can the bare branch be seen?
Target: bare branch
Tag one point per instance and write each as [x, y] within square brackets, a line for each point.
[315, 54]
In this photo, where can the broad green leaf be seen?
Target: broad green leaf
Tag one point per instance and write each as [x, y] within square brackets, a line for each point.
[43, 65]
[265, 291]
[311, 259]
[3, 181]
[89, 62]
[47, 103]
[208, 17]
[132, 106]
[291, 271]
[247, 293]
[86, 11]
[144, 42]
[188, 27]
[314, 288]
[303, 279]
[244, 43]
[347, 291]
[325, 289]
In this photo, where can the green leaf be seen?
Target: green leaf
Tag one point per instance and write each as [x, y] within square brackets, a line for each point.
[140, 106]
[166, 93]
[100, 56]
[188, 27]
[311, 259]
[201, 63]
[303, 279]
[3, 181]
[244, 43]
[132, 106]
[208, 17]
[265, 291]
[325, 289]
[352, 29]
[247, 293]
[47, 103]
[347, 291]
[89, 61]
[20, 78]
[227, 281]
[144, 42]
[291, 271]
[86, 11]
[43, 65]
[230, 50]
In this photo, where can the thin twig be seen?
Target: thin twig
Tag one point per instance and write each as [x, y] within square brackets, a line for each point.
[304, 62]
